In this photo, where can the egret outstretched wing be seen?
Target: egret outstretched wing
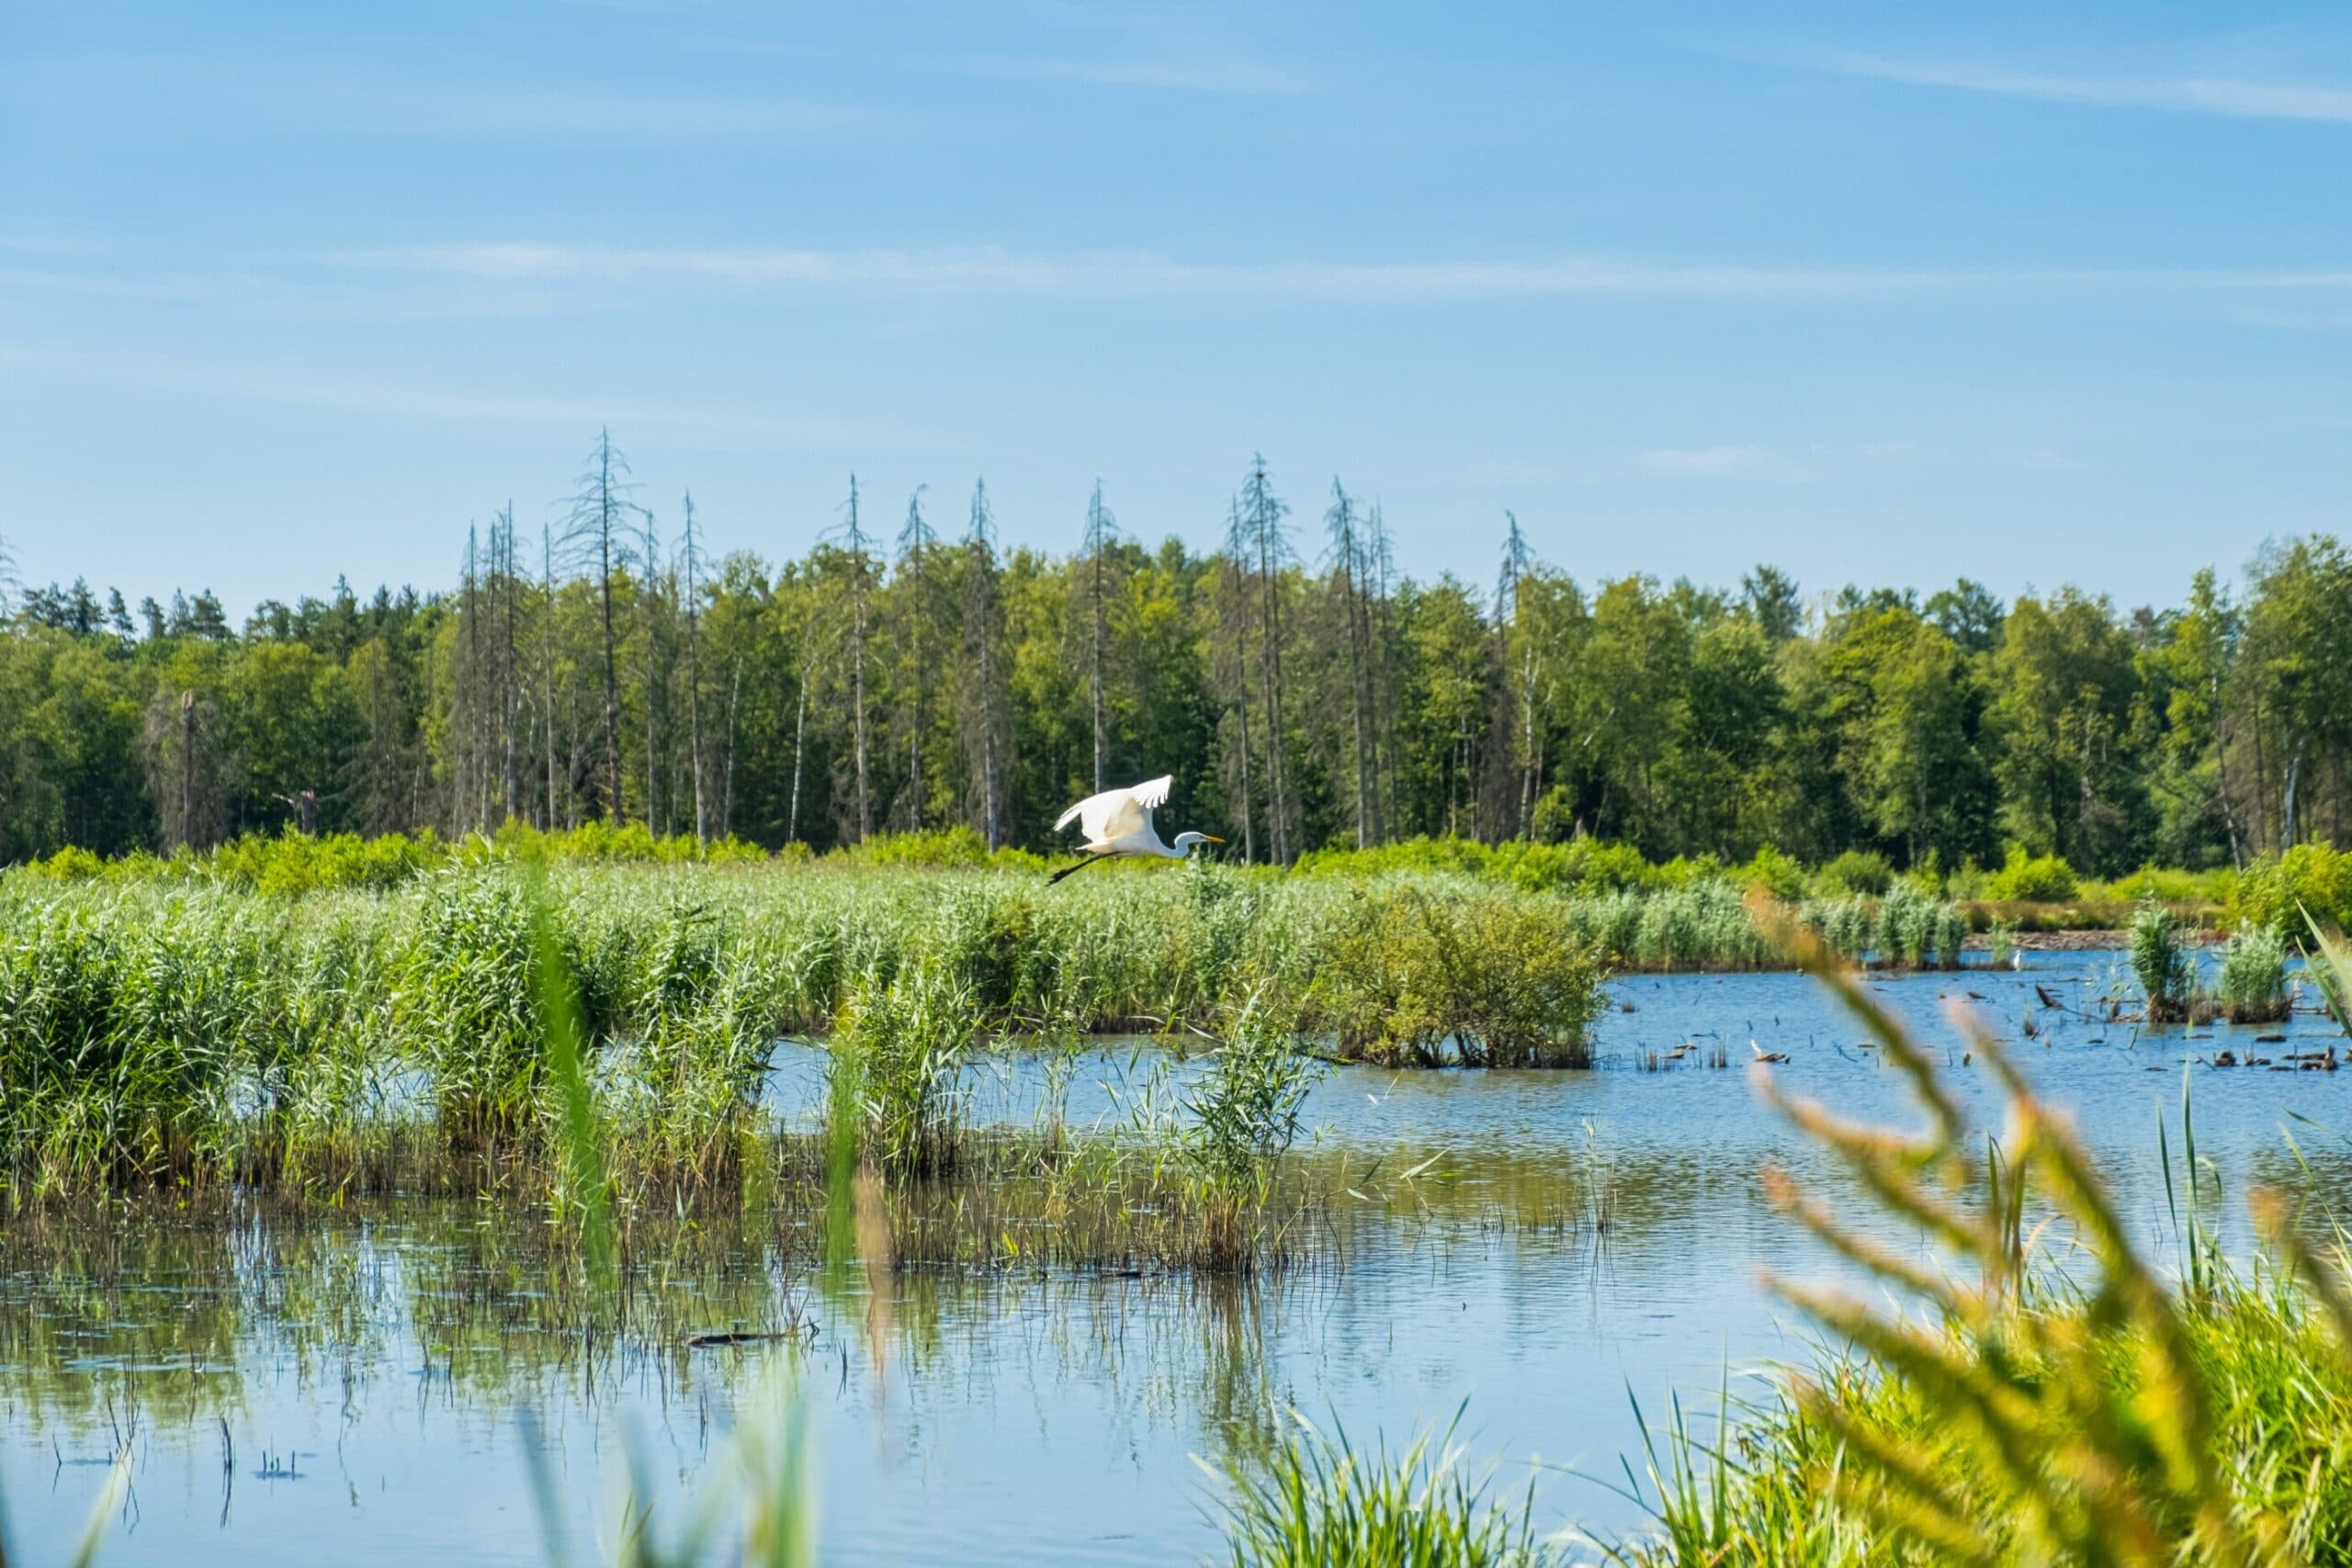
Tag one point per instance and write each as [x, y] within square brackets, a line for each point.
[1118, 814]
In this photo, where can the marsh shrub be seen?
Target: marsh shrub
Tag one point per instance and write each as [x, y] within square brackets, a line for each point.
[934, 849]
[1501, 980]
[1586, 866]
[1780, 875]
[2169, 886]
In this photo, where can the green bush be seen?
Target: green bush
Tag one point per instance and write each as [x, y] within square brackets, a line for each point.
[1775, 873]
[2276, 889]
[2043, 879]
[932, 848]
[1501, 980]
[1585, 866]
[2167, 885]
[1856, 871]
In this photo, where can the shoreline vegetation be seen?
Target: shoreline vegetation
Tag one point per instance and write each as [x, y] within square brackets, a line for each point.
[336, 1012]
[2029, 898]
[186, 1032]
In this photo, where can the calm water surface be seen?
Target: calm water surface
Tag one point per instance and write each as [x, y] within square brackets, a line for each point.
[373, 1369]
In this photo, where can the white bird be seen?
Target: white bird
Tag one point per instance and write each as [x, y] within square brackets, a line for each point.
[1117, 823]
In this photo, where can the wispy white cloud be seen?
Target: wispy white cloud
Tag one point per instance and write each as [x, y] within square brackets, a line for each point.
[332, 93]
[1123, 274]
[2043, 460]
[2242, 97]
[299, 387]
[1128, 273]
[1746, 463]
[1244, 77]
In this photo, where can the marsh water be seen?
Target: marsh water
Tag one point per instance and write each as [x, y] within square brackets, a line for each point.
[1537, 1251]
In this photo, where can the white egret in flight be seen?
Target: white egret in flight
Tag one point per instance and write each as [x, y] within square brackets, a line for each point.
[1118, 823]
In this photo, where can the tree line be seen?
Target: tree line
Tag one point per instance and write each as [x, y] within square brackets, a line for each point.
[911, 673]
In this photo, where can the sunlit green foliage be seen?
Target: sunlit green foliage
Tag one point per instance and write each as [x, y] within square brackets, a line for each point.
[2095, 1413]
[1690, 723]
[1318, 1501]
[2252, 986]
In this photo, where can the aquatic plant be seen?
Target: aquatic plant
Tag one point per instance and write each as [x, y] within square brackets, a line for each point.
[468, 1008]
[2162, 964]
[2099, 1416]
[2252, 987]
[1421, 976]
[1317, 1501]
[893, 1066]
[1242, 1115]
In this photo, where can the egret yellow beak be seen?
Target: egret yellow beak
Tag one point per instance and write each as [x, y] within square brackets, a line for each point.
[1212, 838]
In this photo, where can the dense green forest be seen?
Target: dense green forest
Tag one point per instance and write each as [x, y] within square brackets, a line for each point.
[909, 673]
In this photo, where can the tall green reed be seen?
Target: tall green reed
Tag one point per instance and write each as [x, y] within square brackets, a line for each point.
[2097, 1416]
[1319, 1501]
[2252, 986]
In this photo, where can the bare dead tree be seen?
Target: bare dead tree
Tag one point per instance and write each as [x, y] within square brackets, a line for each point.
[1262, 513]
[649, 594]
[188, 770]
[1380, 572]
[694, 670]
[1233, 606]
[917, 544]
[1102, 533]
[597, 529]
[727, 772]
[989, 741]
[1346, 560]
[1519, 673]
[859, 545]
[547, 665]
[509, 686]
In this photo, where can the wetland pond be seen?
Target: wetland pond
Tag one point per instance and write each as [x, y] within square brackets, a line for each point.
[300, 1383]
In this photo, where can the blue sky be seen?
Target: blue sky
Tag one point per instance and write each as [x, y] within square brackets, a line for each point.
[2033, 294]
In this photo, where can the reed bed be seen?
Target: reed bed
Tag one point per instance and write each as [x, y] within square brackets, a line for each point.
[166, 1032]
[1708, 924]
[186, 1031]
